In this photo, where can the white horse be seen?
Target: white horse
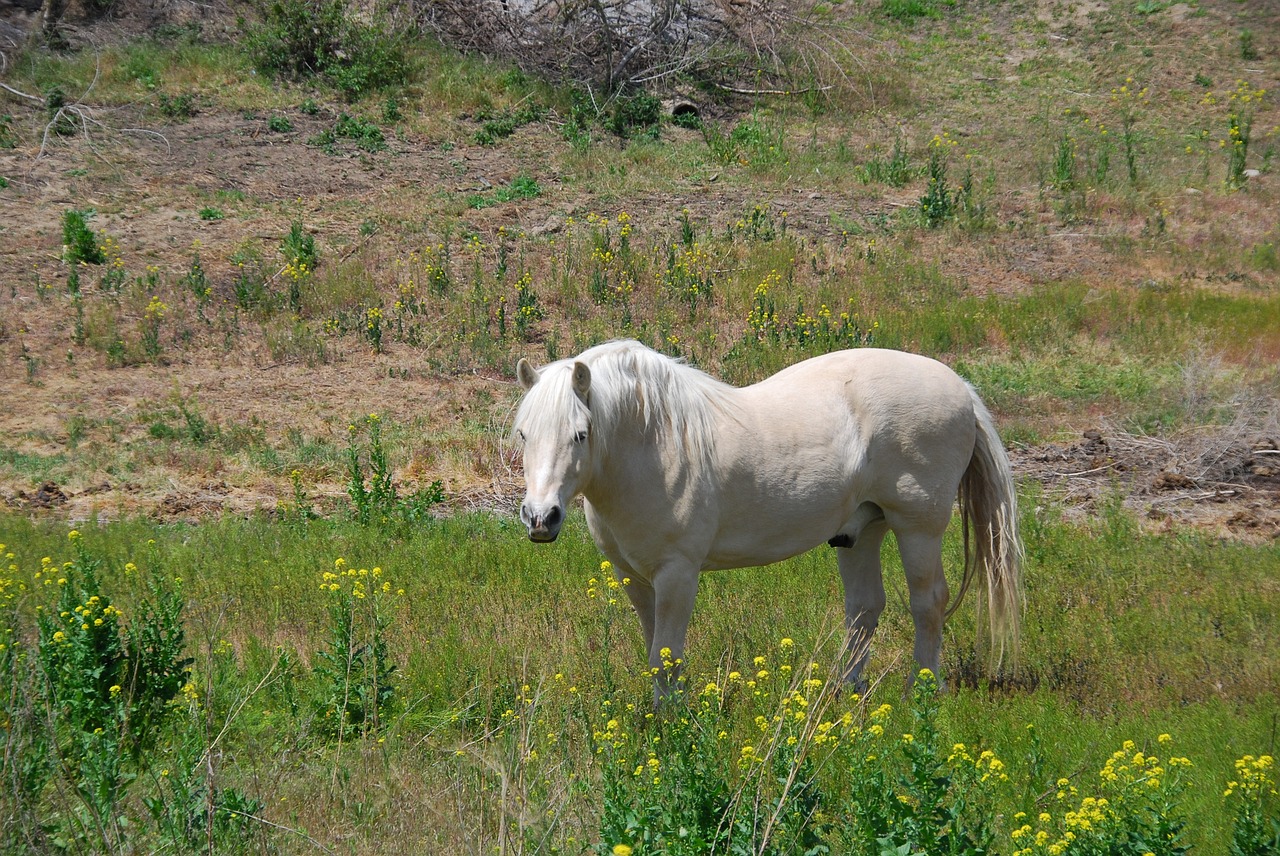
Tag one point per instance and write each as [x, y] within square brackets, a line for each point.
[682, 473]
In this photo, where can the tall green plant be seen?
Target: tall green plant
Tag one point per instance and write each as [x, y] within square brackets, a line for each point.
[86, 700]
[355, 668]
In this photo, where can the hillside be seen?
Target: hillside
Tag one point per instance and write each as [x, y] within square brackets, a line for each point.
[1094, 260]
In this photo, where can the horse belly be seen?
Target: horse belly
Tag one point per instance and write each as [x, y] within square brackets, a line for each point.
[777, 519]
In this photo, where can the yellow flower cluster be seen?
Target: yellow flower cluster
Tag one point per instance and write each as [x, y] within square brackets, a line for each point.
[1254, 778]
[155, 309]
[1129, 774]
[88, 616]
[361, 582]
[297, 270]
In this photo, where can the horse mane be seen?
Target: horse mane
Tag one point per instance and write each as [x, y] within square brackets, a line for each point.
[631, 382]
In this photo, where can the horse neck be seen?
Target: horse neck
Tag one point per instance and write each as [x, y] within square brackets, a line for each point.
[641, 462]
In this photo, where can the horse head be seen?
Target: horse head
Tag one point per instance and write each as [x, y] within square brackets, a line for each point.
[553, 424]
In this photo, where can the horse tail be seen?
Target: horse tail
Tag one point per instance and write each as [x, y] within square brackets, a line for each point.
[989, 520]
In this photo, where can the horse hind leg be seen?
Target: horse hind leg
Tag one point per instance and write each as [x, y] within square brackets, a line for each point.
[864, 599]
[922, 561]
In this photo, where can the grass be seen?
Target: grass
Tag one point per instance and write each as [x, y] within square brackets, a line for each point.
[1110, 613]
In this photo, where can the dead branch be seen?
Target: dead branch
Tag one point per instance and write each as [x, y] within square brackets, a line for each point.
[621, 45]
[19, 94]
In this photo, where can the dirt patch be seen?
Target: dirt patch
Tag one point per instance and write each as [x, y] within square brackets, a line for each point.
[1226, 481]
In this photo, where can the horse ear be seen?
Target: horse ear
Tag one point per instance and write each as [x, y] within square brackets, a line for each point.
[581, 380]
[526, 374]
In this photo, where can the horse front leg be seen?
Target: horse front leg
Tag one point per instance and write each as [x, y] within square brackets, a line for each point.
[675, 589]
[640, 593]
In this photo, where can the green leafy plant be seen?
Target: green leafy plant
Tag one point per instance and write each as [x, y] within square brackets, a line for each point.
[364, 134]
[498, 125]
[376, 499]
[58, 111]
[895, 170]
[907, 11]
[1243, 105]
[1248, 48]
[211, 214]
[299, 246]
[634, 114]
[152, 321]
[279, 124]
[79, 243]
[250, 284]
[940, 203]
[104, 688]
[180, 107]
[299, 39]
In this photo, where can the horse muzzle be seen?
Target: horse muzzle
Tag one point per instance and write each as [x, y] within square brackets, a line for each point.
[543, 526]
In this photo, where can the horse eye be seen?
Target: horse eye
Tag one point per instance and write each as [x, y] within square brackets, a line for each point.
[580, 437]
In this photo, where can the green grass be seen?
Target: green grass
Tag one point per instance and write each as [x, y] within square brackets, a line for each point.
[1128, 636]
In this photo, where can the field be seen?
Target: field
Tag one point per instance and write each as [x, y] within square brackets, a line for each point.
[258, 336]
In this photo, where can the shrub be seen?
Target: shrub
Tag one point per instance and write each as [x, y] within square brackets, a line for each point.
[634, 114]
[302, 38]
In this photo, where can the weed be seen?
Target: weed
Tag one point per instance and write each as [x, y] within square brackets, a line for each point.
[939, 203]
[907, 11]
[689, 119]
[355, 669]
[180, 107]
[1242, 105]
[250, 283]
[894, 171]
[1252, 793]
[377, 500]
[1248, 48]
[30, 361]
[279, 124]
[139, 67]
[212, 214]
[299, 247]
[1063, 173]
[8, 138]
[499, 125]
[528, 311]
[152, 317]
[85, 702]
[195, 279]
[1128, 99]
[365, 135]
[79, 243]
[309, 107]
[373, 328]
[55, 105]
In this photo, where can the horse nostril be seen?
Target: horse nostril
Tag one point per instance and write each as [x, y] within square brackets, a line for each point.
[553, 516]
